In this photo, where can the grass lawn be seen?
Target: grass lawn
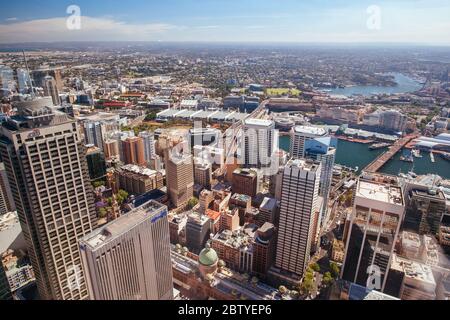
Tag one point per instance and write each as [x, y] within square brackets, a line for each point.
[283, 91]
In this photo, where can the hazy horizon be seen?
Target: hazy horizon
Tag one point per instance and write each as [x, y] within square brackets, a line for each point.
[422, 22]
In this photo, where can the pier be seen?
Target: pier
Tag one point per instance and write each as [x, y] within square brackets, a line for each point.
[379, 162]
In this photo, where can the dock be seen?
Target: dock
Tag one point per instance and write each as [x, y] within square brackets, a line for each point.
[379, 162]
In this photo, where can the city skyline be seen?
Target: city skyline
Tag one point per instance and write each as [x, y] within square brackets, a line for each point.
[403, 21]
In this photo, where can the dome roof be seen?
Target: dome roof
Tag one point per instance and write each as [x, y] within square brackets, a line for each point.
[208, 257]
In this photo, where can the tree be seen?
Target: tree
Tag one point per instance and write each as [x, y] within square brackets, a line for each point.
[122, 195]
[102, 213]
[315, 266]
[335, 270]
[327, 279]
[150, 116]
[192, 203]
[97, 184]
[306, 286]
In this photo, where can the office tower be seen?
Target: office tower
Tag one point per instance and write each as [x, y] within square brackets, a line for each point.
[133, 151]
[245, 181]
[259, 143]
[129, 258]
[44, 157]
[410, 280]
[264, 249]
[198, 230]
[149, 145]
[374, 227]
[96, 162]
[39, 76]
[425, 211]
[299, 198]
[5, 290]
[179, 178]
[111, 149]
[6, 197]
[203, 174]
[51, 90]
[93, 133]
[315, 143]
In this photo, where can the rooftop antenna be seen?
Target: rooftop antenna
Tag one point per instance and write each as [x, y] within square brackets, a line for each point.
[29, 74]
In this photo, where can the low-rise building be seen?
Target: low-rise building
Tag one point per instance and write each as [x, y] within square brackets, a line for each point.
[138, 180]
[338, 251]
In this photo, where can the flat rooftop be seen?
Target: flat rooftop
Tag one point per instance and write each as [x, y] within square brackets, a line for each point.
[259, 122]
[138, 170]
[413, 270]
[310, 130]
[123, 224]
[307, 165]
[380, 192]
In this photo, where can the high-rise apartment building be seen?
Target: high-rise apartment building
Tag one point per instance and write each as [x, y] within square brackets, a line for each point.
[299, 201]
[44, 158]
[259, 144]
[393, 120]
[111, 149]
[133, 151]
[51, 90]
[129, 258]
[149, 145]
[180, 178]
[375, 222]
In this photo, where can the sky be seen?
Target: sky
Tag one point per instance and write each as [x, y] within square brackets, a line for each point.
[292, 21]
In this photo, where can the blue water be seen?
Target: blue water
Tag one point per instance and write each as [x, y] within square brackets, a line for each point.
[405, 84]
[352, 154]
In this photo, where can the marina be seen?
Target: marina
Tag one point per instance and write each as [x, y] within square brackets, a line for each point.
[352, 155]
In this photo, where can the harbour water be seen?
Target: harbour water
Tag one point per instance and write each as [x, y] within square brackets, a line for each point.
[352, 154]
[405, 84]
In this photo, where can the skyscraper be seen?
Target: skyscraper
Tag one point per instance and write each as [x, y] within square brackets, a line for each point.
[149, 145]
[51, 90]
[180, 178]
[374, 226]
[45, 161]
[6, 198]
[299, 201]
[5, 290]
[133, 151]
[425, 211]
[315, 143]
[93, 133]
[259, 144]
[129, 258]
[96, 162]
